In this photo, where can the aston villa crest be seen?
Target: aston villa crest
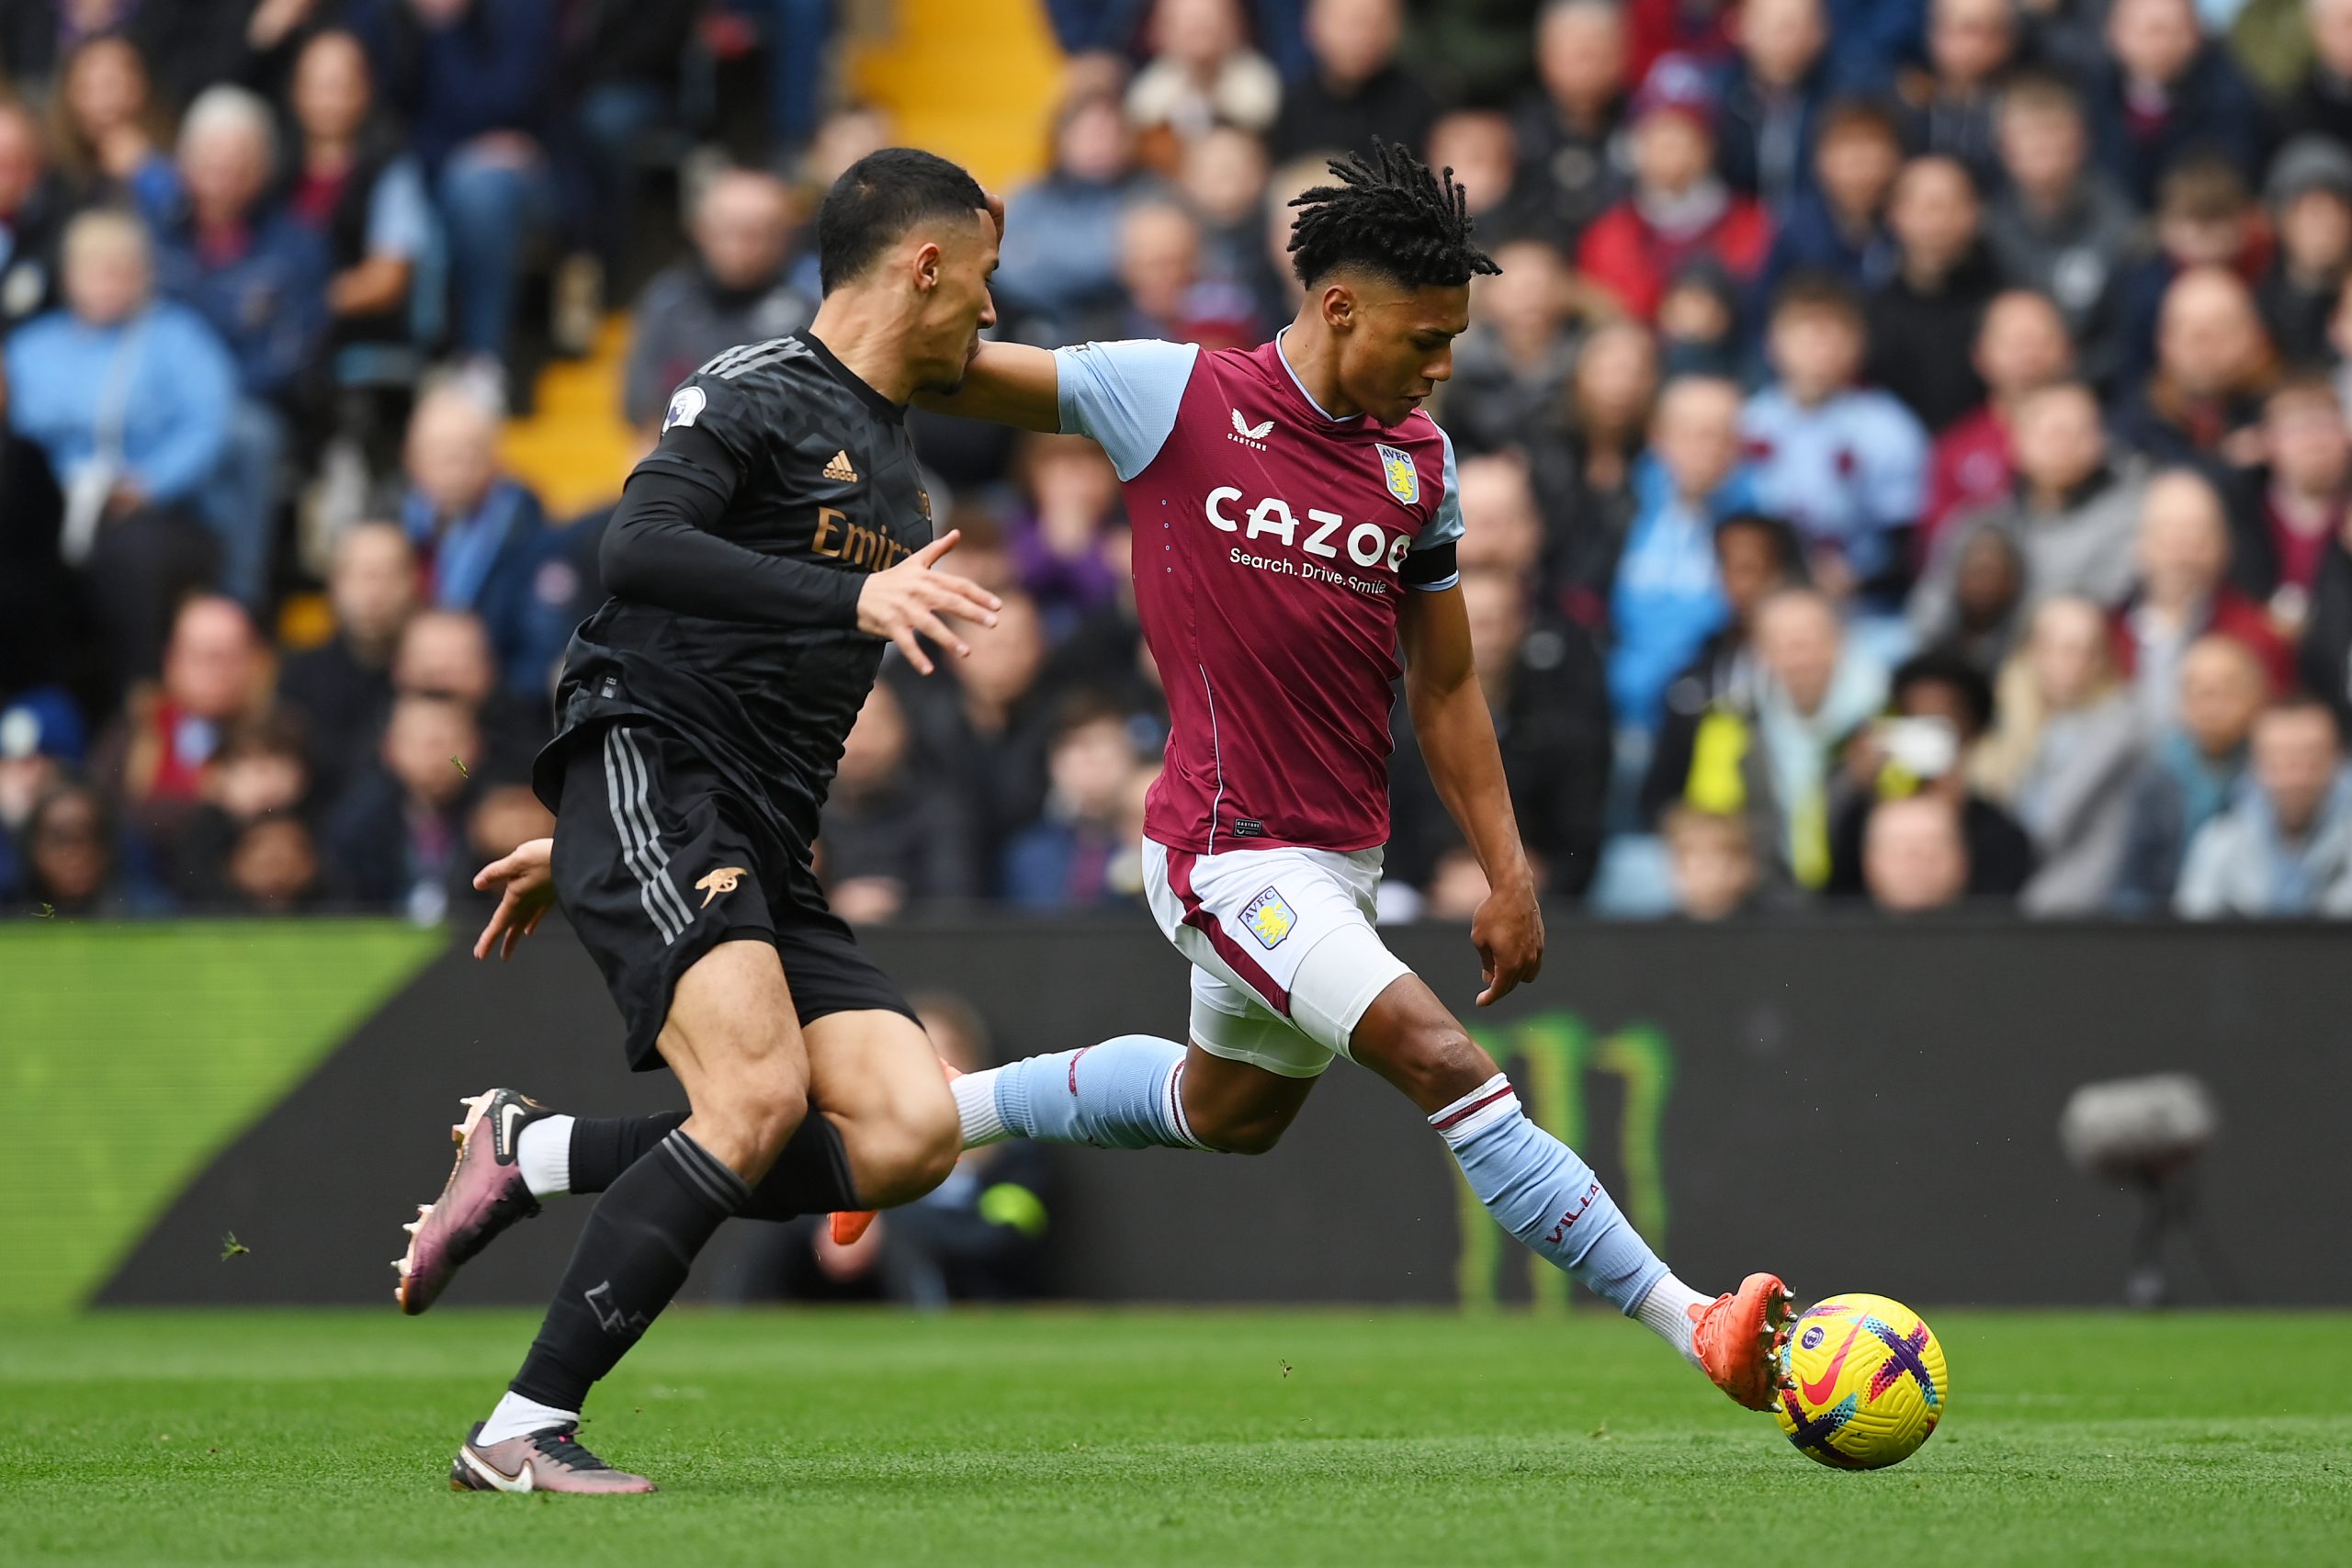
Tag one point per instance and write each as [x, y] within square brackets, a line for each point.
[1404, 480]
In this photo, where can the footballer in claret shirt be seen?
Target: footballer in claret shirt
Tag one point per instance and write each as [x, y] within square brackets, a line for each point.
[1295, 523]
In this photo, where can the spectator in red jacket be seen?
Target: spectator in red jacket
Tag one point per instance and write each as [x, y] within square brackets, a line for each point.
[2021, 348]
[1681, 210]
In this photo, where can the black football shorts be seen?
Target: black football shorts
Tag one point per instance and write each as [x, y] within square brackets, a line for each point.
[659, 858]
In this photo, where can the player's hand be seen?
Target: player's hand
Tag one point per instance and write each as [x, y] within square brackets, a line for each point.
[1508, 931]
[911, 599]
[996, 213]
[526, 881]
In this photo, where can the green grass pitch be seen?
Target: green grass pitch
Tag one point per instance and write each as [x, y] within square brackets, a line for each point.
[1129, 1439]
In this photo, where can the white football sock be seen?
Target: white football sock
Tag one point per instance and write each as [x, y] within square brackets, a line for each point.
[1667, 1312]
[975, 1108]
[544, 1151]
[518, 1418]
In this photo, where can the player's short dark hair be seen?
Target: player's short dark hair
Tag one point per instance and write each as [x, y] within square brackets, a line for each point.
[877, 200]
[1389, 215]
[1943, 667]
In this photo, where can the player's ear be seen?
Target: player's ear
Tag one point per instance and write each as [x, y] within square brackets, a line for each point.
[1338, 306]
[924, 267]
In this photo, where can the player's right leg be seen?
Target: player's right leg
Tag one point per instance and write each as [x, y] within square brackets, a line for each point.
[1288, 972]
[1542, 1192]
[881, 1131]
[733, 1040]
[514, 1153]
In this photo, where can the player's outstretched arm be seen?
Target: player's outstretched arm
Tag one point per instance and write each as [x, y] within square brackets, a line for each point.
[524, 880]
[1457, 736]
[1007, 383]
[663, 547]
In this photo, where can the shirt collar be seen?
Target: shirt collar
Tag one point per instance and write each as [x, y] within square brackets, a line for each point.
[1283, 359]
[896, 413]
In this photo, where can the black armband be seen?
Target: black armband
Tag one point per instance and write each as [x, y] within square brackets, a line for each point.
[1431, 568]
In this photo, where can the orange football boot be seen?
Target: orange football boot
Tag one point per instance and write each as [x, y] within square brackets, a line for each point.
[1742, 1338]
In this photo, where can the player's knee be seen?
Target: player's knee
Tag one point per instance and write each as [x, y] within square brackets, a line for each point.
[760, 1109]
[942, 1143]
[1251, 1138]
[1246, 1134]
[913, 1154]
[1440, 1062]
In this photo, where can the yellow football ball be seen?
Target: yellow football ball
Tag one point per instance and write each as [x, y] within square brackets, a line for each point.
[1867, 1382]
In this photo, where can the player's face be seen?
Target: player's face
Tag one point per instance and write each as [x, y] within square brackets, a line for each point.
[1399, 344]
[958, 307]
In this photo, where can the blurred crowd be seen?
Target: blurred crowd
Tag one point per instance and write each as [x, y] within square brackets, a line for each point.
[1905, 451]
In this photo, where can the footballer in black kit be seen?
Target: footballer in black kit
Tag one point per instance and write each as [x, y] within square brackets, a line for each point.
[759, 564]
[694, 751]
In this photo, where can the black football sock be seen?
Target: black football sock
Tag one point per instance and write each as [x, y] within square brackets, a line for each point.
[640, 1241]
[603, 1146]
[810, 1177]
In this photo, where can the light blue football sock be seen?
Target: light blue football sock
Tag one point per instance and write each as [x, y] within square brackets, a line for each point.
[1126, 1093]
[1540, 1191]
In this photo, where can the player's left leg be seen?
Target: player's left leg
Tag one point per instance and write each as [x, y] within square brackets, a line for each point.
[1541, 1191]
[1245, 921]
[1133, 1092]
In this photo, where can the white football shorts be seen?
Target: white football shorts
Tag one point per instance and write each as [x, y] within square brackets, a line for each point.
[1285, 957]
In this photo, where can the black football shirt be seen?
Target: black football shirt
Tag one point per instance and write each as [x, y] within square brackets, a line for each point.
[816, 469]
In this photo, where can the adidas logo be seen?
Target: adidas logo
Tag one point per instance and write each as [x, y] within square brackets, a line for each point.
[839, 468]
[1254, 436]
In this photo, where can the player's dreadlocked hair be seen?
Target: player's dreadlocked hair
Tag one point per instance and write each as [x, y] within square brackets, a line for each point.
[1389, 215]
